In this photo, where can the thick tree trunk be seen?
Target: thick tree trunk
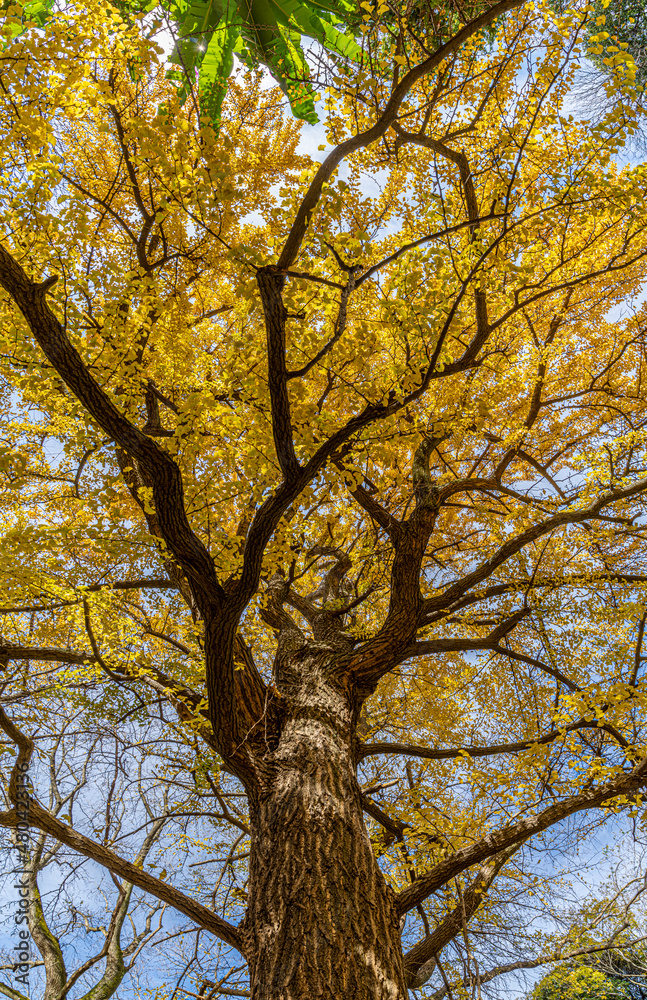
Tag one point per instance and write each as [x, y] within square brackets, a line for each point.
[321, 920]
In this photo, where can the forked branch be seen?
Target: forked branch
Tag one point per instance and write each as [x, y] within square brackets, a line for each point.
[164, 475]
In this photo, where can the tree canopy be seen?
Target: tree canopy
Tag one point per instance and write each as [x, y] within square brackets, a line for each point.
[324, 492]
[580, 983]
[615, 975]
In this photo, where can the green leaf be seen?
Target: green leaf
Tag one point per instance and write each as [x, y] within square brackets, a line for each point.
[260, 31]
[271, 41]
[209, 32]
[325, 32]
[38, 11]
[217, 65]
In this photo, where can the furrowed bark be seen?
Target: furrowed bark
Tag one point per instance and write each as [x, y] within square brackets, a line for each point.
[321, 921]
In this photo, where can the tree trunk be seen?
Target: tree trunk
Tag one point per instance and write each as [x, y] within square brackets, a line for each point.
[321, 920]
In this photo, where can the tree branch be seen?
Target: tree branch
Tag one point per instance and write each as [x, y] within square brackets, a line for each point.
[450, 645]
[420, 961]
[158, 466]
[534, 963]
[515, 833]
[456, 591]
[270, 284]
[43, 820]
[340, 326]
[451, 753]
[301, 222]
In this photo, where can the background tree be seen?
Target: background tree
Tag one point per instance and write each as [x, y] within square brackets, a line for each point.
[348, 472]
[579, 983]
[607, 974]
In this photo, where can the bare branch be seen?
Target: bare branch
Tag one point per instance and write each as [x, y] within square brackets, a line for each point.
[43, 820]
[420, 960]
[301, 222]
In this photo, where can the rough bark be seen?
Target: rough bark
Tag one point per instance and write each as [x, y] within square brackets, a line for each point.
[321, 920]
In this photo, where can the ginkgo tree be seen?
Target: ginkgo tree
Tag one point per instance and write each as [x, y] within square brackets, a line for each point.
[342, 465]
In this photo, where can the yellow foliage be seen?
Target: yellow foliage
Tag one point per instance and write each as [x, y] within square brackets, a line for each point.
[469, 282]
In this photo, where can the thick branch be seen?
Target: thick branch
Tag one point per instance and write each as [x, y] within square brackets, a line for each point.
[159, 467]
[450, 645]
[374, 652]
[49, 654]
[46, 942]
[115, 968]
[379, 655]
[394, 828]
[544, 667]
[420, 961]
[467, 182]
[191, 908]
[451, 753]
[375, 510]
[188, 704]
[517, 832]
[91, 588]
[270, 284]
